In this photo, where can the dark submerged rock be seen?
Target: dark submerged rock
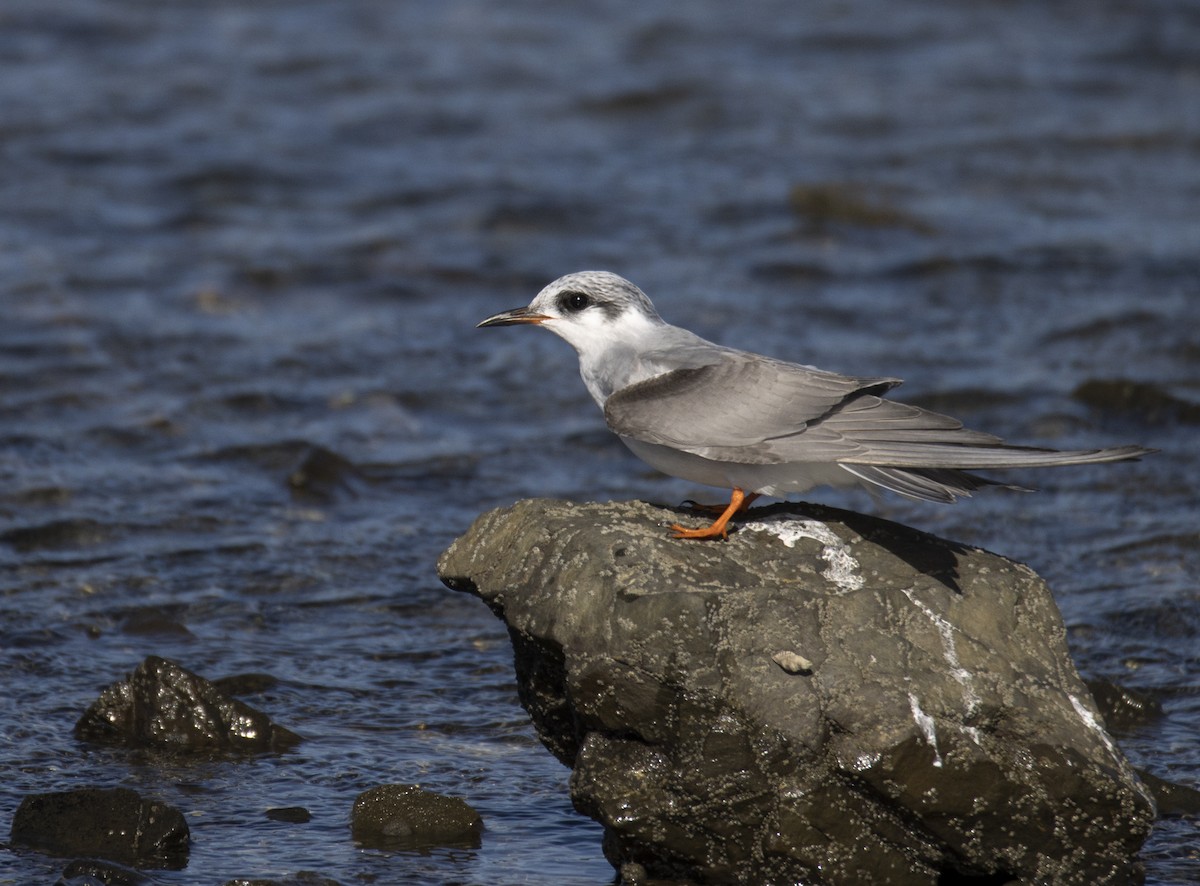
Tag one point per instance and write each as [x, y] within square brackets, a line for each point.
[324, 475]
[1125, 710]
[303, 878]
[402, 816]
[1174, 800]
[115, 824]
[821, 206]
[58, 535]
[289, 814]
[939, 731]
[163, 705]
[1144, 402]
[245, 684]
[90, 871]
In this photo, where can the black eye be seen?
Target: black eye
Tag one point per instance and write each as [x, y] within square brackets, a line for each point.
[573, 302]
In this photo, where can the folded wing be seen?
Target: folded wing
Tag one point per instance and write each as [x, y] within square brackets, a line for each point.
[754, 411]
[737, 409]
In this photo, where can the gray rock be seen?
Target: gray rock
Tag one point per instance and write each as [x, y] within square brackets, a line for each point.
[165, 706]
[403, 816]
[110, 823]
[823, 698]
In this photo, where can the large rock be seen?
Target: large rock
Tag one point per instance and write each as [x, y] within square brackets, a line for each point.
[823, 698]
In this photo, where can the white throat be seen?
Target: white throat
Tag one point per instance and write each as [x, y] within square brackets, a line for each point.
[612, 350]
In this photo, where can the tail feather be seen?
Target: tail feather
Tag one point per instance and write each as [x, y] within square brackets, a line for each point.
[941, 485]
[956, 457]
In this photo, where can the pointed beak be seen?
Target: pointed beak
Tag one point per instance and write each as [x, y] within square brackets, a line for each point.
[512, 318]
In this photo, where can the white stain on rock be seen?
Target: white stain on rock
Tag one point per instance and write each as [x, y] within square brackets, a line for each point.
[927, 726]
[1089, 720]
[842, 570]
[949, 652]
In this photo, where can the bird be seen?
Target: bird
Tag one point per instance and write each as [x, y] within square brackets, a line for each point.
[757, 425]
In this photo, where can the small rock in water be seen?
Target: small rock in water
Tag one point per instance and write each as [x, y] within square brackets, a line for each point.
[110, 823]
[403, 816]
[290, 814]
[165, 706]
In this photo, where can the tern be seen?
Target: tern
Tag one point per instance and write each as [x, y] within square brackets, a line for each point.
[722, 417]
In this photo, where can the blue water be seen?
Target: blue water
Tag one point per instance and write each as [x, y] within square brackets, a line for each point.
[233, 236]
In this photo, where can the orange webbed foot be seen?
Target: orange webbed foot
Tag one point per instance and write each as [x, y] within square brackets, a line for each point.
[713, 531]
[738, 502]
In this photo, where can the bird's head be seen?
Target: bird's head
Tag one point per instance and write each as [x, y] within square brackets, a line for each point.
[592, 310]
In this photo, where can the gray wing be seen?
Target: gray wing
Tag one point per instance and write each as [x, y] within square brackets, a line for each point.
[760, 411]
[737, 409]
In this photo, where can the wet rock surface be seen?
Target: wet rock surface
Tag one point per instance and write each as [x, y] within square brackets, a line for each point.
[825, 697]
[92, 871]
[116, 824]
[166, 706]
[403, 816]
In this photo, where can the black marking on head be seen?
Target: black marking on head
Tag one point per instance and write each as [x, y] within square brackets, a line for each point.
[589, 293]
[576, 301]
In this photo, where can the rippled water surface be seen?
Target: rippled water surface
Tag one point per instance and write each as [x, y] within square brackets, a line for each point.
[243, 407]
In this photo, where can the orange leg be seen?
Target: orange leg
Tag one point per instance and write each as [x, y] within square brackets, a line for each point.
[738, 502]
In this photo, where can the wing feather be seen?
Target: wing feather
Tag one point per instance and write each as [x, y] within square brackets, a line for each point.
[753, 410]
[731, 410]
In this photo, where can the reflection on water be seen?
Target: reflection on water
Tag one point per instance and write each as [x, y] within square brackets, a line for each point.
[243, 407]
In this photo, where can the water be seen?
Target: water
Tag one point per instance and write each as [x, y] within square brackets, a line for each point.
[243, 408]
